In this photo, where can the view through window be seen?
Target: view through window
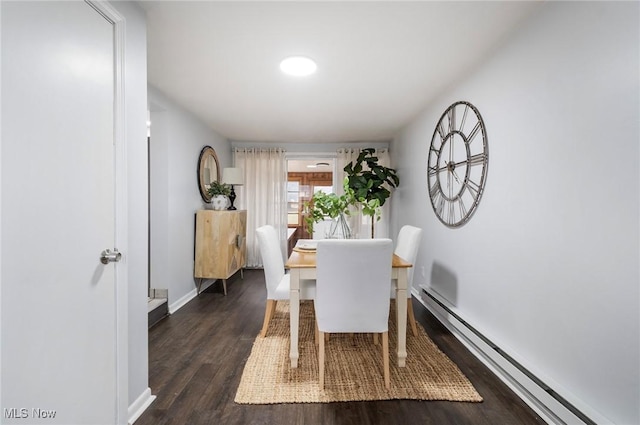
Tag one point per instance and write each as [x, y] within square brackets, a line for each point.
[305, 177]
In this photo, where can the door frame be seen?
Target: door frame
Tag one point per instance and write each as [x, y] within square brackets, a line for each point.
[121, 211]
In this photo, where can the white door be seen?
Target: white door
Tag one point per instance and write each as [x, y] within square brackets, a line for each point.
[58, 214]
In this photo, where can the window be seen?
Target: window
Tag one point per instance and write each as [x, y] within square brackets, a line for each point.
[293, 203]
[305, 176]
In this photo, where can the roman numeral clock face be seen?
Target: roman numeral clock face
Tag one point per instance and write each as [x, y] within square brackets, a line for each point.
[457, 164]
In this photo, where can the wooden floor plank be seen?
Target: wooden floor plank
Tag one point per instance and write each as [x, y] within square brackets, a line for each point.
[196, 358]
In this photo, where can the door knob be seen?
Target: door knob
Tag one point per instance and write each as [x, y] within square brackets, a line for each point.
[107, 256]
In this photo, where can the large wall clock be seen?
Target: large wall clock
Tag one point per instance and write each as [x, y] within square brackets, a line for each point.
[457, 164]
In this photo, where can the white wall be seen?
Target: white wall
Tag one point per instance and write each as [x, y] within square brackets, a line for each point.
[177, 138]
[548, 268]
[136, 106]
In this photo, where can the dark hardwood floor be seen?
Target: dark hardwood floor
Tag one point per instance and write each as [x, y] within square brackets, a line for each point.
[196, 358]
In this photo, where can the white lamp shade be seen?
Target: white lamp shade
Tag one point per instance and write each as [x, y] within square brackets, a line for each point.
[233, 176]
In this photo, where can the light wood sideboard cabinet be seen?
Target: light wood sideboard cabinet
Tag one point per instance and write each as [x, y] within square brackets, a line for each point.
[220, 245]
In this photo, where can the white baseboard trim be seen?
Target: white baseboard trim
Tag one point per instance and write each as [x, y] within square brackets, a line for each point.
[546, 402]
[140, 405]
[176, 305]
[206, 284]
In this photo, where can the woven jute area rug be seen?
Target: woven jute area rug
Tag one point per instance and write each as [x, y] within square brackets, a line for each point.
[353, 367]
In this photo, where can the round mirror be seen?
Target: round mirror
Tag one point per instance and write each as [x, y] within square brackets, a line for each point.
[208, 171]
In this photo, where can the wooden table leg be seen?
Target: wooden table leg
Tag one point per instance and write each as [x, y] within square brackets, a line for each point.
[294, 315]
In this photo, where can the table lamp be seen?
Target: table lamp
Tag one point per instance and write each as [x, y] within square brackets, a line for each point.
[233, 177]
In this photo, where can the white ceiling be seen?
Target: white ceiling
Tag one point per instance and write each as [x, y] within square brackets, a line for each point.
[379, 63]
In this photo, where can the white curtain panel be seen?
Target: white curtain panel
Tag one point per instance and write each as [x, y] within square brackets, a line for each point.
[263, 195]
[361, 224]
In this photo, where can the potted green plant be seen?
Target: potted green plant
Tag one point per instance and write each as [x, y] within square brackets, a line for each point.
[323, 205]
[370, 186]
[219, 193]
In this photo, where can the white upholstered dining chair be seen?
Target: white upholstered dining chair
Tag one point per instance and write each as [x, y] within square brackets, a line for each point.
[352, 292]
[276, 279]
[407, 248]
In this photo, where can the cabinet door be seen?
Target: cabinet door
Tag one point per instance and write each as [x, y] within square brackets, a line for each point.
[207, 245]
[236, 224]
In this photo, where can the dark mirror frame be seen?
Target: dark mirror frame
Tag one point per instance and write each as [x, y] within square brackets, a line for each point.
[205, 154]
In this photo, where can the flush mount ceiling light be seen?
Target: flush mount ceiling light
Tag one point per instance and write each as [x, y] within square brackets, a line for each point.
[318, 164]
[298, 66]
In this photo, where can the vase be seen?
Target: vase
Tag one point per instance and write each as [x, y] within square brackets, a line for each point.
[219, 202]
[339, 228]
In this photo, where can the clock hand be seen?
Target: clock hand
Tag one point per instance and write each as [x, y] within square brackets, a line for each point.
[438, 170]
[455, 175]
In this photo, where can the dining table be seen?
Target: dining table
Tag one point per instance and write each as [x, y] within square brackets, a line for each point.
[302, 267]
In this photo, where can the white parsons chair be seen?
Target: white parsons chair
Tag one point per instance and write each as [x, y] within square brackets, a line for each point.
[352, 291]
[276, 279]
[407, 248]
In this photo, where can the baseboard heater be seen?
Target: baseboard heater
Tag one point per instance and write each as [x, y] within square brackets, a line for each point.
[537, 381]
